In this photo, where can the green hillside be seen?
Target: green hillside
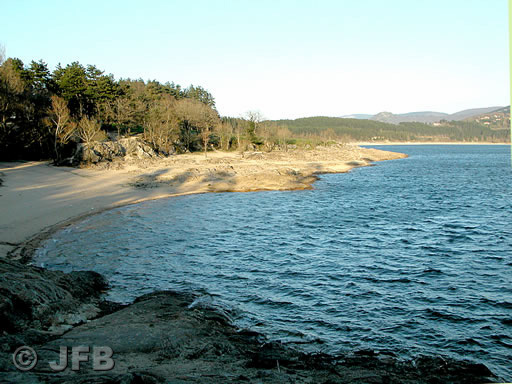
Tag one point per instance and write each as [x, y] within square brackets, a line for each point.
[370, 130]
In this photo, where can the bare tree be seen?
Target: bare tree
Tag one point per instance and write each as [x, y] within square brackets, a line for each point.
[255, 117]
[161, 124]
[225, 131]
[63, 126]
[283, 134]
[207, 120]
[88, 130]
[186, 113]
[193, 113]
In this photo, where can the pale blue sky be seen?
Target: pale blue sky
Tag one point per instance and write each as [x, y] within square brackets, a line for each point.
[287, 59]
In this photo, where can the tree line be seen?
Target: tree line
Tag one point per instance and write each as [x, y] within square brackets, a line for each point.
[343, 129]
[41, 112]
[44, 114]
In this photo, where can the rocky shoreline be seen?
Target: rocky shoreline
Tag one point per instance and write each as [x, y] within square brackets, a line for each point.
[173, 337]
[168, 336]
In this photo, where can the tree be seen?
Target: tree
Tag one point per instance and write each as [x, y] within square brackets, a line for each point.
[283, 134]
[34, 124]
[225, 131]
[161, 124]
[118, 112]
[133, 105]
[254, 118]
[11, 90]
[88, 130]
[186, 113]
[12, 107]
[63, 125]
[40, 78]
[72, 84]
[207, 120]
[197, 119]
[200, 94]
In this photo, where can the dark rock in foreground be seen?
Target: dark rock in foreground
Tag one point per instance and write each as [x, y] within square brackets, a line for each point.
[166, 337]
[34, 299]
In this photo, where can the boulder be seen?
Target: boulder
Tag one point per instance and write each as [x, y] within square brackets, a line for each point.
[36, 298]
[97, 151]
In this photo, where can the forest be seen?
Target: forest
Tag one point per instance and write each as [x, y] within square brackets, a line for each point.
[343, 129]
[44, 114]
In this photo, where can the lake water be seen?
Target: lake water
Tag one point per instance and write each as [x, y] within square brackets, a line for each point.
[412, 256]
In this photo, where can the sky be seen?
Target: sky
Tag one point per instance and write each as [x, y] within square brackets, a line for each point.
[286, 59]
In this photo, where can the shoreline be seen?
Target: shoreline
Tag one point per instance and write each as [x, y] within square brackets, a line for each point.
[68, 309]
[39, 198]
[368, 143]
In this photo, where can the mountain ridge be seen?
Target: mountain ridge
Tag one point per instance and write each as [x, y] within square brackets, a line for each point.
[428, 117]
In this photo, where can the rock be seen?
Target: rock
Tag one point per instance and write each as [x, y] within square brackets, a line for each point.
[32, 297]
[161, 337]
[98, 151]
[254, 155]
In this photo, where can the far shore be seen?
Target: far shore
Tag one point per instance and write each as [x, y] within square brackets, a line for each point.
[37, 198]
[369, 143]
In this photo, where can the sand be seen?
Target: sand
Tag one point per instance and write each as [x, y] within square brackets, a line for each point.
[36, 197]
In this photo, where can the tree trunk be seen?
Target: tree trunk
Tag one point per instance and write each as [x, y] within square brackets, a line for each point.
[56, 150]
[205, 139]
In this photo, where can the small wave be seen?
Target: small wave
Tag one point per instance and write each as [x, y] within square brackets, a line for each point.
[504, 344]
[291, 332]
[403, 280]
[362, 294]
[506, 321]
[469, 341]
[433, 270]
[453, 226]
[230, 277]
[255, 299]
[499, 339]
[495, 303]
[446, 316]
[454, 237]
[491, 257]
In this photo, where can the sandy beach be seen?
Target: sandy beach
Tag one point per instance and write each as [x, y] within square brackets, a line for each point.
[37, 197]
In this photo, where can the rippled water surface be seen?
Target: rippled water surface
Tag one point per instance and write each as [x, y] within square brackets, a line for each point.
[412, 255]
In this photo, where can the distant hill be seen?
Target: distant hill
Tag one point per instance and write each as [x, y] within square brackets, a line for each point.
[420, 117]
[502, 110]
[496, 119]
[425, 116]
[344, 129]
[468, 113]
[358, 116]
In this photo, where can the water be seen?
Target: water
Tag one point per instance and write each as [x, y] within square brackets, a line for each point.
[412, 256]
